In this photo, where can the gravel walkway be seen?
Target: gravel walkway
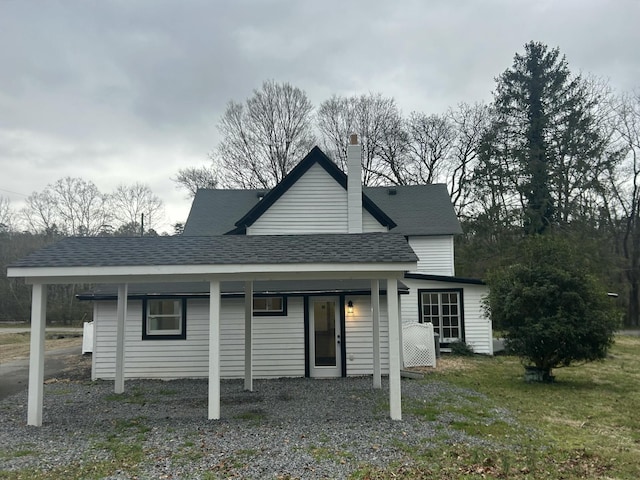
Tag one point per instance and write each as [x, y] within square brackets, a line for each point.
[286, 428]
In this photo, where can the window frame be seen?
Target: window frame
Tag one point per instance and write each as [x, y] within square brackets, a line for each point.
[438, 329]
[182, 335]
[269, 313]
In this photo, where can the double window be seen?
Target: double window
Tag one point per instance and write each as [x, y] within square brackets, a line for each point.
[164, 319]
[276, 306]
[443, 308]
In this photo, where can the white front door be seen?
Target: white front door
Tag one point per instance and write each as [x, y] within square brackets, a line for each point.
[324, 337]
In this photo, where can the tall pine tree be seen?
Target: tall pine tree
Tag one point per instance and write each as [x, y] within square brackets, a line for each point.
[548, 133]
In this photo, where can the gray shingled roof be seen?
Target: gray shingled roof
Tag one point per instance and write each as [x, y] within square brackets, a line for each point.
[215, 212]
[416, 209]
[221, 250]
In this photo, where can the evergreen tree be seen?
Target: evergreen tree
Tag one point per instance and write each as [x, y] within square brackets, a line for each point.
[548, 129]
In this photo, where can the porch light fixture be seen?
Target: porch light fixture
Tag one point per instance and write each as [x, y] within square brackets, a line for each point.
[350, 307]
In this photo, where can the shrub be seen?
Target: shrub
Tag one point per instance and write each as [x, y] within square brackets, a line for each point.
[461, 349]
[552, 310]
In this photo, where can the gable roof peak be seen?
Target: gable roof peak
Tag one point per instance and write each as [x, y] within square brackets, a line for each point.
[315, 156]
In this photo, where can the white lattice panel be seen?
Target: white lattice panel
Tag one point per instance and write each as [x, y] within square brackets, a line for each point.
[418, 345]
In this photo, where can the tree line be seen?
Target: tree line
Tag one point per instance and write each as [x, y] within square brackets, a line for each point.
[68, 207]
[76, 207]
[554, 153]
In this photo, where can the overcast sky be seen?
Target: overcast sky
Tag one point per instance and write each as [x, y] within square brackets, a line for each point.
[123, 91]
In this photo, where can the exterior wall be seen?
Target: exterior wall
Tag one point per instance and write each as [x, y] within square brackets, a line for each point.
[435, 254]
[359, 333]
[316, 203]
[278, 342]
[370, 224]
[477, 327]
[278, 348]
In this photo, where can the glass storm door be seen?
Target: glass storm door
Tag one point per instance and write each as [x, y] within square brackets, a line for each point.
[324, 341]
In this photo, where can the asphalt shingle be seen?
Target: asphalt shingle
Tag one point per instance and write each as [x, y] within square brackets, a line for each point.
[416, 209]
[222, 250]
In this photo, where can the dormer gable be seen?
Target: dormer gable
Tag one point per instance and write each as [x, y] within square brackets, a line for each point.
[316, 186]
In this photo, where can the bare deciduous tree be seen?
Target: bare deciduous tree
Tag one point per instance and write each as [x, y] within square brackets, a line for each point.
[130, 202]
[194, 178]
[39, 214]
[71, 206]
[625, 212]
[444, 149]
[264, 138]
[6, 215]
[431, 139]
[470, 123]
[376, 120]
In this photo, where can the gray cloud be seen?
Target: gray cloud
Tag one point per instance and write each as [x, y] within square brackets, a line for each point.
[116, 90]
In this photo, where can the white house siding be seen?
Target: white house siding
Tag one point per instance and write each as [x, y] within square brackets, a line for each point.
[359, 333]
[370, 224]
[278, 348]
[278, 343]
[477, 327]
[435, 254]
[150, 358]
[316, 203]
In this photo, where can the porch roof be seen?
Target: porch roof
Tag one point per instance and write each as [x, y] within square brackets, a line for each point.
[96, 258]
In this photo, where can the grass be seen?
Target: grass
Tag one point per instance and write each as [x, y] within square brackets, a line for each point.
[585, 425]
[254, 415]
[16, 345]
[14, 325]
[330, 453]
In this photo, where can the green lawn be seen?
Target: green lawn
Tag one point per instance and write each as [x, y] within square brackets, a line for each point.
[585, 425]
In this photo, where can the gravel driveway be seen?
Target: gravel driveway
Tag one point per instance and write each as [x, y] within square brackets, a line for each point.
[286, 428]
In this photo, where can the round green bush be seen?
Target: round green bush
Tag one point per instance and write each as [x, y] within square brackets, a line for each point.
[552, 309]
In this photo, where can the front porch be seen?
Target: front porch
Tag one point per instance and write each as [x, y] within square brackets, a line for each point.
[371, 257]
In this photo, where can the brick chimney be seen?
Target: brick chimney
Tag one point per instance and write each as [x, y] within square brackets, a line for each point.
[354, 186]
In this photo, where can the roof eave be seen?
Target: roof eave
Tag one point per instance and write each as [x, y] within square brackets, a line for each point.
[225, 272]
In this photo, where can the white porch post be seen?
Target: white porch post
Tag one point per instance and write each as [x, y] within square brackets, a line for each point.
[395, 408]
[248, 336]
[36, 355]
[375, 311]
[400, 338]
[123, 291]
[214, 350]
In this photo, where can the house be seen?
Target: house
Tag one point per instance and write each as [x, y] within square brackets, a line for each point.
[312, 278]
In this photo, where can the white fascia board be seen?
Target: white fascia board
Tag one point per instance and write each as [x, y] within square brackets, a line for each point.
[133, 274]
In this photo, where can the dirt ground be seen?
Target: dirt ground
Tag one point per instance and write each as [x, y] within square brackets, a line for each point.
[77, 368]
[63, 362]
[446, 363]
